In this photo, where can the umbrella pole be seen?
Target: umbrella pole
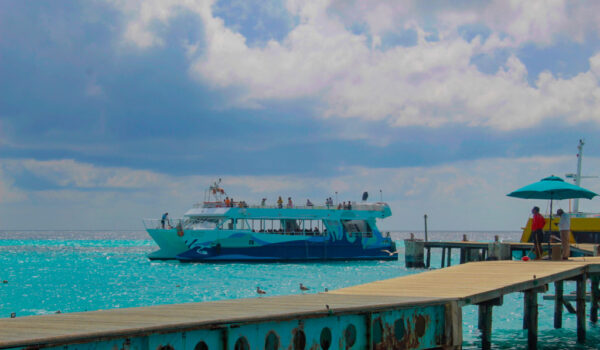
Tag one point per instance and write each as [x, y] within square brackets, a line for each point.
[550, 234]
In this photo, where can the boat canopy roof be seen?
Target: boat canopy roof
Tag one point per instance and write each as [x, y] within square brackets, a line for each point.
[359, 211]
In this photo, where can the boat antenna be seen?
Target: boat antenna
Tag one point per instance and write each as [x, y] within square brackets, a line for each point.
[577, 177]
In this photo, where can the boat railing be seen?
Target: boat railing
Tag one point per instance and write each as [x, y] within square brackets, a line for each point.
[154, 224]
[355, 206]
[584, 215]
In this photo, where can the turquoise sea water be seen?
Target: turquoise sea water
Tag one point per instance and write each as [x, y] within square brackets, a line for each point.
[78, 271]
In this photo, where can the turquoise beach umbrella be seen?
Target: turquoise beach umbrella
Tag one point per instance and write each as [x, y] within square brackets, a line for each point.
[552, 187]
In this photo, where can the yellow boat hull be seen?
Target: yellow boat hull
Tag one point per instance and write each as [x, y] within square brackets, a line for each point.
[583, 229]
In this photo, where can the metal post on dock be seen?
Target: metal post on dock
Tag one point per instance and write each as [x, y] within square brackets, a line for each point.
[425, 218]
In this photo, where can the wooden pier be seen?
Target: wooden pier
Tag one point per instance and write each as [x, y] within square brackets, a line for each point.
[420, 311]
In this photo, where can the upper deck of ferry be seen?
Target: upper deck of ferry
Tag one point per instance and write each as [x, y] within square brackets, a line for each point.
[357, 210]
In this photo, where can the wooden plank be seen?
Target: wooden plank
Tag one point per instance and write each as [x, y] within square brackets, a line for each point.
[473, 282]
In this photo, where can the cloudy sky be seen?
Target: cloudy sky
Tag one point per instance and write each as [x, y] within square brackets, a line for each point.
[112, 111]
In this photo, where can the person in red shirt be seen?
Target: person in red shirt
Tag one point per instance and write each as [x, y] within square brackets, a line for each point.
[537, 230]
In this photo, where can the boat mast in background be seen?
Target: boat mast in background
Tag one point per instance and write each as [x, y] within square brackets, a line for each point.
[577, 177]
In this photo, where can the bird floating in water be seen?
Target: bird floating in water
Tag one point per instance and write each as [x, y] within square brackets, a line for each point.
[5, 281]
[58, 312]
[389, 252]
[303, 287]
[260, 291]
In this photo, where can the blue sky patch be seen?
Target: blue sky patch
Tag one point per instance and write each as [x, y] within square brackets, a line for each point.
[258, 21]
[471, 31]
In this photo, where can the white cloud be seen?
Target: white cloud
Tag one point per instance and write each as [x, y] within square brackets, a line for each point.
[430, 84]
[466, 195]
[8, 192]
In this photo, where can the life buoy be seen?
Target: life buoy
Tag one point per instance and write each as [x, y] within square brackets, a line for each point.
[179, 230]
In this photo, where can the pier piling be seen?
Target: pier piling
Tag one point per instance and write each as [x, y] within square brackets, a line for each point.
[531, 317]
[595, 295]
[485, 321]
[558, 303]
[581, 308]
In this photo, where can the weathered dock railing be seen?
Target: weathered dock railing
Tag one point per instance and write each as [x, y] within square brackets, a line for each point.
[417, 252]
[311, 321]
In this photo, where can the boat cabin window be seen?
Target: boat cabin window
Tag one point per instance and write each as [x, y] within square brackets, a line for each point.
[357, 228]
[201, 223]
[288, 226]
[242, 224]
[227, 224]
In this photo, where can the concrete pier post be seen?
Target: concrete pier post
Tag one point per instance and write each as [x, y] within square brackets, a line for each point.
[414, 253]
[499, 251]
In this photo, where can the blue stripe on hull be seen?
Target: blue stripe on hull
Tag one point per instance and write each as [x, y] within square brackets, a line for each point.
[292, 251]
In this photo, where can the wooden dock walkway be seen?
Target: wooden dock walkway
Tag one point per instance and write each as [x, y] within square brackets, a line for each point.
[424, 306]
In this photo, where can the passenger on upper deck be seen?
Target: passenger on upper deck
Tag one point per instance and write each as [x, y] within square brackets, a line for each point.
[227, 202]
[309, 203]
[289, 203]
[263, 202]
[279, 202]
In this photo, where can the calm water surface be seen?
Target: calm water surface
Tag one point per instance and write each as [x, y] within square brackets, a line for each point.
[73, 271]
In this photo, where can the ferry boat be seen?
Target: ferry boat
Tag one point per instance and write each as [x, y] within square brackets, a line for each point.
[218, 230]
[585, 227]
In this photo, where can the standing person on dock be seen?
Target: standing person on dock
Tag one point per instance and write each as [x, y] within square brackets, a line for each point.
[564, 226]
[537, 229]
